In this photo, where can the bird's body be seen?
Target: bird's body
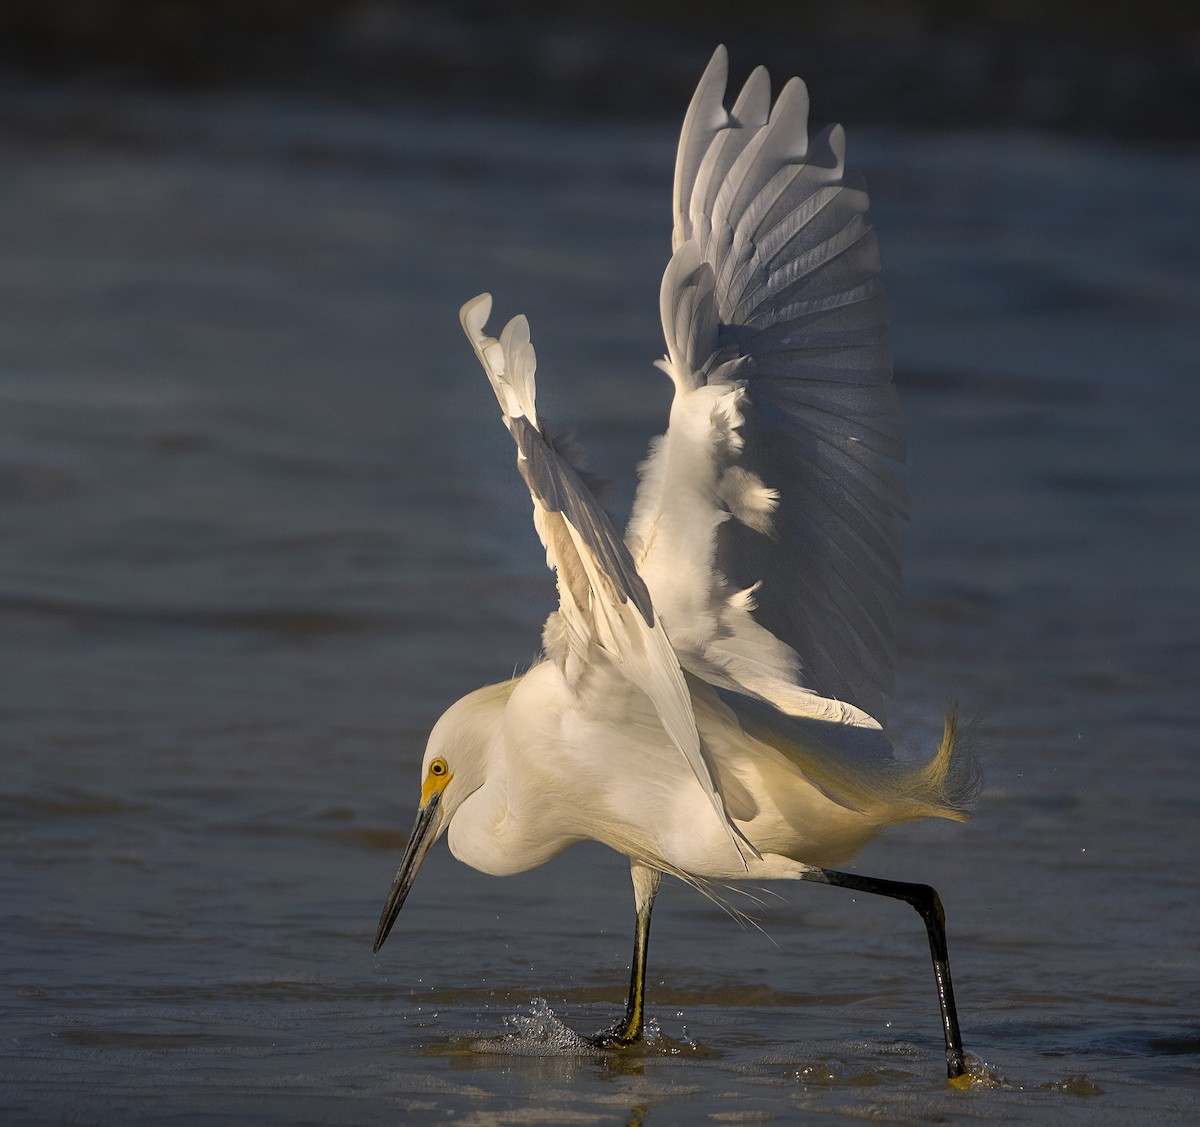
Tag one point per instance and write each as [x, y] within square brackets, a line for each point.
[711, 701]
[813, 795]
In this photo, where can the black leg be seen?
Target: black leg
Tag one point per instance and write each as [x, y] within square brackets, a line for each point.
[929, 905]
[629, 1031]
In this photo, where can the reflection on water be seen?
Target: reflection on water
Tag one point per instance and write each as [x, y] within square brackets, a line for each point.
[260, 525]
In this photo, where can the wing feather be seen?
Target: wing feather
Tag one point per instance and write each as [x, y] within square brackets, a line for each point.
[777, 342]
[605, 616]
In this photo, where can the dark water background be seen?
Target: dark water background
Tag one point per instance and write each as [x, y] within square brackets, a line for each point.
[260, 525]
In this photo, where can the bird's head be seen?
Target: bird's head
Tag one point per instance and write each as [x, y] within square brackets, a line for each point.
[454, 767]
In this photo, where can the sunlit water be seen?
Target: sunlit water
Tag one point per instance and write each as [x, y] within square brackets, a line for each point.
[260, 524]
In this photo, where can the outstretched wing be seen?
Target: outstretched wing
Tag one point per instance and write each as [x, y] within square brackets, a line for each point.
[605, 611]
[767, 524]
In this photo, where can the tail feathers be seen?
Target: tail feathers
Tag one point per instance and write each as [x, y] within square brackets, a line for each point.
[890, 792]
[852, 763]
[948, 784]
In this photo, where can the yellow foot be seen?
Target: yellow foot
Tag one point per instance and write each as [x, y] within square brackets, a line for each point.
[616, 1039]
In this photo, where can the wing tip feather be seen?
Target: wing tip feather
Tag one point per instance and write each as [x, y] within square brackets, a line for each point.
[474, 315]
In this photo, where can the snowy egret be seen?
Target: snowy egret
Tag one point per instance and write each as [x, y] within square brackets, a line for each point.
[712, 694]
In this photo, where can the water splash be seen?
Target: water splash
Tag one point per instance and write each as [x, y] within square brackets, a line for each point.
[1076, 1084]
[979, 1074]
[538, 1033]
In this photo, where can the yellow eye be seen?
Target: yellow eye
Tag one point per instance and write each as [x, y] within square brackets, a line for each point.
[437, 779]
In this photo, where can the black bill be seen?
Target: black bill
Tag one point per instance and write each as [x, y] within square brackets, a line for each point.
[423, 835]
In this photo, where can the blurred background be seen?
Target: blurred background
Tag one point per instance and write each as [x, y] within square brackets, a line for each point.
[259, 526]
[1103, 66]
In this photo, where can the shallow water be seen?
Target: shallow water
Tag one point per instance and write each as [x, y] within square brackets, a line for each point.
[261, 525]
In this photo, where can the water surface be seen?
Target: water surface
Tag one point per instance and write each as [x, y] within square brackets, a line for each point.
[260, 524]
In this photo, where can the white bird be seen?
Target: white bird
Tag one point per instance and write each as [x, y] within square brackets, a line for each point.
[711, 698]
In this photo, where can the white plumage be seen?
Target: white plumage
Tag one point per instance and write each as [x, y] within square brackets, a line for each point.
[712, 697]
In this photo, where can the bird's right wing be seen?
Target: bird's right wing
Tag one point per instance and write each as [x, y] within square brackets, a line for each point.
[605, 616]
[767, 523]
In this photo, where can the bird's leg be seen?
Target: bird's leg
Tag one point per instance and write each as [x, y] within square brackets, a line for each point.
[629, 1031]
[929, 905]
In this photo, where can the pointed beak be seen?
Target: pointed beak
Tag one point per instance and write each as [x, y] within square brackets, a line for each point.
[424, 834]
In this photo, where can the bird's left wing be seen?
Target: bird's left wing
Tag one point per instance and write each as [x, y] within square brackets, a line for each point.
[605, 611]
[768, 522]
